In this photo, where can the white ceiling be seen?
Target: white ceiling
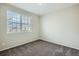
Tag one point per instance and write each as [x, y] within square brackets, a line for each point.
[44, 8]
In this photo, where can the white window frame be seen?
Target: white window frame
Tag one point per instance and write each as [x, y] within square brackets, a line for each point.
[23, 23]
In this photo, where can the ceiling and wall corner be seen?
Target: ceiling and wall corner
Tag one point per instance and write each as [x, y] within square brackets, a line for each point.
[43, 8]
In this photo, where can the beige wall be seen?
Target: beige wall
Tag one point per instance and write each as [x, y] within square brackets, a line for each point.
[15, 39]
[62, 27]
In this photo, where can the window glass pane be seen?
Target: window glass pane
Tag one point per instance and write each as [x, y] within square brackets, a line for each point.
[17, 22]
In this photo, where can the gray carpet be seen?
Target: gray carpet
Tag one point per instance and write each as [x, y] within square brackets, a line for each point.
[40, 48]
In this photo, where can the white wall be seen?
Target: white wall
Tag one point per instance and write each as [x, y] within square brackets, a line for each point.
[15, 39]
[62, 27]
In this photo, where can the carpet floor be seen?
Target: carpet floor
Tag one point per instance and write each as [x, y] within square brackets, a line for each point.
[40, 48]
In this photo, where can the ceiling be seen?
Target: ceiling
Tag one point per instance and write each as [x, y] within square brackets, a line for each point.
[42, 8]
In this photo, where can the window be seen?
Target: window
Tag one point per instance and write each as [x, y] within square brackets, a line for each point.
[17, 22]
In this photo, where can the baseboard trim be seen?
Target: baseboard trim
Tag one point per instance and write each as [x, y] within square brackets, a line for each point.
[18, 45]
[59, 44]
[39, 40]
